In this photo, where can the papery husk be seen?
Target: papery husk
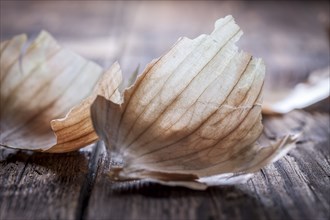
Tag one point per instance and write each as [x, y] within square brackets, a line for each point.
[39, 87]
[303, 95]
[192, 116]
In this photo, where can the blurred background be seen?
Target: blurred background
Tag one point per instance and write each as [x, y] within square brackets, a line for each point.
[291, 36]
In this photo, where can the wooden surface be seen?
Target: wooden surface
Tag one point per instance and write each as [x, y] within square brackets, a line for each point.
[291, 37]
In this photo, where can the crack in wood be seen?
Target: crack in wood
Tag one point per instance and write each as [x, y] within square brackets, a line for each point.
[88, 184]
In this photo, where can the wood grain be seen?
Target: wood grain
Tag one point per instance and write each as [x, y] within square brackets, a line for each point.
[41, 186]
[290, 36]
[296, 187]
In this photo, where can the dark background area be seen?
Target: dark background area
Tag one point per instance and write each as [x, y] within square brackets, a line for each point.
[291, 36]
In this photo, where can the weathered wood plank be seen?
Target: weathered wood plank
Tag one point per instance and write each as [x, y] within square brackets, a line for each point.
[42, 186]
[296, 187]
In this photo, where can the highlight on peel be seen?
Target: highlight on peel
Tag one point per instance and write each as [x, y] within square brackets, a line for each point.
[193, 116]
[314, 90]
[40, 87]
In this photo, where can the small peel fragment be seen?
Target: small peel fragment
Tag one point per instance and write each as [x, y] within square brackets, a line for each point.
[314, 90]
[194, 112]
[40, 86]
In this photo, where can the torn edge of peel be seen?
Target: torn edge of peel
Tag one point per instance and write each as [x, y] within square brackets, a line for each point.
[140, 75]
[274, 151]
[285, 145]
[185, 180]
[195, 185]
[226, 179]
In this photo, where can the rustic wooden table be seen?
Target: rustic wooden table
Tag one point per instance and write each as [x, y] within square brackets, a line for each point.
[292, 37]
